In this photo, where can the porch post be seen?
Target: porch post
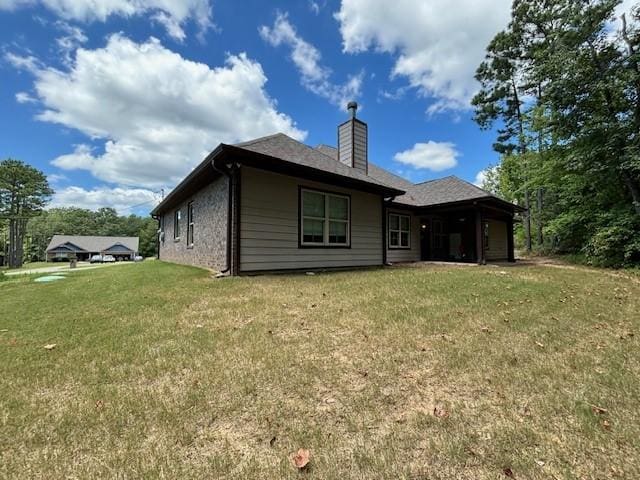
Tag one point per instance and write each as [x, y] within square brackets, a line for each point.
[479, 238]
[510, 244]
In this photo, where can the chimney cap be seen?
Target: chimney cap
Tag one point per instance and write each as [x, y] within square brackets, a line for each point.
[352, 107]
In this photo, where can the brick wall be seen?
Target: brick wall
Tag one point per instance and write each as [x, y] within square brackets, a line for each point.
[210, 207]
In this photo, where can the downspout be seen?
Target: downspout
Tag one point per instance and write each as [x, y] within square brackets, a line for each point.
[157, 218]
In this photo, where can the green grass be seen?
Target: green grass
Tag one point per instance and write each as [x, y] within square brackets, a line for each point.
[162, 372]
[30, 265]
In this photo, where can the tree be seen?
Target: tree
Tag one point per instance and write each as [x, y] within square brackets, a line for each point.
[24, 191]
[500, 98]
[562, 83]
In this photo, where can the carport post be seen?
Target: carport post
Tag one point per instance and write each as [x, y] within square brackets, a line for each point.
[510, 244]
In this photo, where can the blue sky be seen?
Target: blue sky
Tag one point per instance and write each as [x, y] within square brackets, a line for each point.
[116, 100]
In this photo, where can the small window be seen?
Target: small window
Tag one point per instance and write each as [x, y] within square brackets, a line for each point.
[325, 219]
[399, 231]
[176, 224]
[190, 224]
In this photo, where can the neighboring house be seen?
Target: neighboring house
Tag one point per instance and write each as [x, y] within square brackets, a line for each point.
[64, 247]
[276, 204]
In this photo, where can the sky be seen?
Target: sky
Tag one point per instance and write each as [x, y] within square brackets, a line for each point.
[116, 100]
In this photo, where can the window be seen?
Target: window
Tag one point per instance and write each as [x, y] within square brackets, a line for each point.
[325, 219]
[176, 224]
[399, 231]
[190, 224]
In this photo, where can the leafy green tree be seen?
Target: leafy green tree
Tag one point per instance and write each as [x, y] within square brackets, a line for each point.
[575, 69]
[24, 191]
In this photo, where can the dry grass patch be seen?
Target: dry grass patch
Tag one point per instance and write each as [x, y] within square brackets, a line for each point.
[416, 373]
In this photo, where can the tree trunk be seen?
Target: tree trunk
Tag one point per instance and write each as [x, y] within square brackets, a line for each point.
[527, 220]
[540, 239]
[16, 238]
[634, 190]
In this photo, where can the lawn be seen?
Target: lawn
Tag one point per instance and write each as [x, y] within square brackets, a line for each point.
[160, 371]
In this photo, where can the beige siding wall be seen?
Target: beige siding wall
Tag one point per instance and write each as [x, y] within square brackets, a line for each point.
[269, 226]
[497, 249]
[405, 255]
[210, 207]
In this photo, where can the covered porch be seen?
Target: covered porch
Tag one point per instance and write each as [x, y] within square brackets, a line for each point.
[470, 232]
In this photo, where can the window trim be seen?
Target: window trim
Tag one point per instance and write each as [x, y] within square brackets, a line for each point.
[177, 217]
[325, 244]
[399, 230]
[190, 225]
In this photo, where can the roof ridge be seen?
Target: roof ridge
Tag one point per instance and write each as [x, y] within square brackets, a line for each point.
[262, 139]
[475, 186]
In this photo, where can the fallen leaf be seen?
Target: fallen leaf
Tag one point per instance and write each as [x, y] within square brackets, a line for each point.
[440, 412]
[4, 330]
[301, 458]
[508, 472]
[50, 346]
[99, 405]
[606, 425]
[541, 345]
[486, 330]
[540, 463]
[272, 441]
[598, 410]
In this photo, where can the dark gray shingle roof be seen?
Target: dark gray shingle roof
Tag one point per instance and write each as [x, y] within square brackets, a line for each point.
[443, 190]
[93, 244]
[286, 148]
[434, 192]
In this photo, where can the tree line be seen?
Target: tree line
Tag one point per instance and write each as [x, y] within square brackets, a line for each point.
[561, 85]
[26, 227]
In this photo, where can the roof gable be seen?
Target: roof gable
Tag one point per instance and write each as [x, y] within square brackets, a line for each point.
[93, 243]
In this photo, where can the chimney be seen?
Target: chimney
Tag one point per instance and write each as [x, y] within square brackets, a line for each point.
[352, 141]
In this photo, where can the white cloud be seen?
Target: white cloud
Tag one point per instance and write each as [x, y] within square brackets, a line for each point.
[437, 44]
[56, 178]
[172, 14]
[314, 7]
[28, 63]
[432, 156]
[156, 113]
[481, 176]
[306, 57]
[71, 39]
[124, 200]
[24, 97]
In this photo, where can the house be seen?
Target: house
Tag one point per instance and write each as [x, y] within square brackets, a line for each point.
[274, 203]
[64, 247]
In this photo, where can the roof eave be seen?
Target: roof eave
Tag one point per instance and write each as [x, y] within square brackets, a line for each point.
[279, 165]
[168, 201]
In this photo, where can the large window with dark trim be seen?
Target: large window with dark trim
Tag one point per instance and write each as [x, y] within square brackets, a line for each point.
[190, 224]
[399, 231]
[325, 219]
[176, 224]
